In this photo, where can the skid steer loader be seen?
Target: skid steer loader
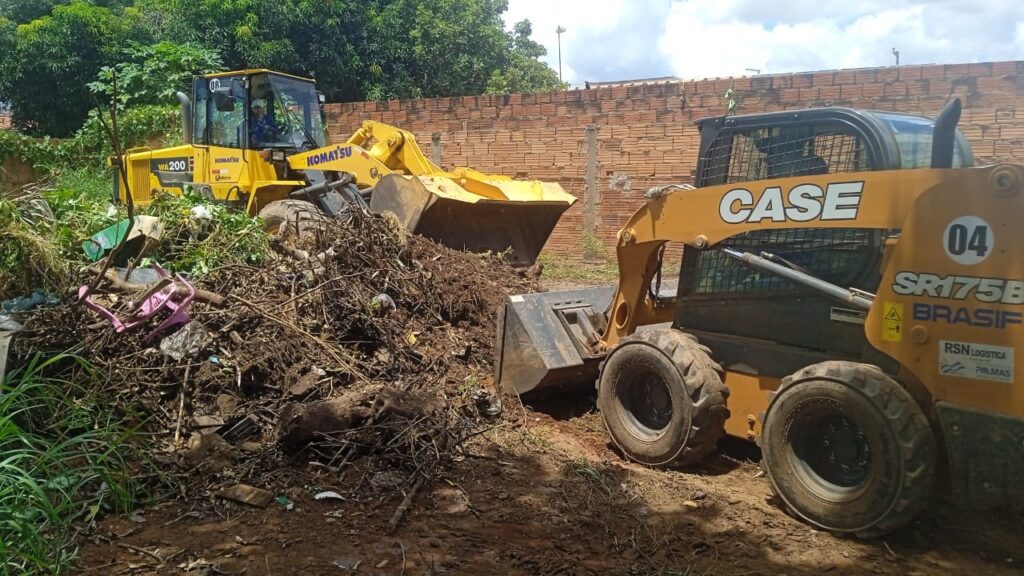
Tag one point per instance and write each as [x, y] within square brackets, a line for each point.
[289, 175]
[851, 298]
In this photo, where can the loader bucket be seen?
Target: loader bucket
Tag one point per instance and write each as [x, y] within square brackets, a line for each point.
[544, 340]
[548, 342]
[442, 210]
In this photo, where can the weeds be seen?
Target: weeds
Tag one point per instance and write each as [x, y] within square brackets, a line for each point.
[42, 253]
[195, 249]
[28, 259]
[593, 248]
[559, 268]
[63, 460]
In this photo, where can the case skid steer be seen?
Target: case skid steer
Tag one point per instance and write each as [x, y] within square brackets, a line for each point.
[850, 298]
[276, 163]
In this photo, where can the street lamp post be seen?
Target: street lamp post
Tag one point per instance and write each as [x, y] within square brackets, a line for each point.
[558, 31]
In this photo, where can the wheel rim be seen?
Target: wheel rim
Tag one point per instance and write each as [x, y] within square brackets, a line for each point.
[647, 404]
[832, 454]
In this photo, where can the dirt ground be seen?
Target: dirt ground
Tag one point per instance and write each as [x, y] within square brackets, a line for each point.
[537, 494]
[533, 491]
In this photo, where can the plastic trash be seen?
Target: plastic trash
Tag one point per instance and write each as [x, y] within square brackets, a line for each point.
[187, 342]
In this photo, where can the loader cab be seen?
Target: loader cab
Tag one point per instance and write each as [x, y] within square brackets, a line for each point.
[735, 308]
[224, 114]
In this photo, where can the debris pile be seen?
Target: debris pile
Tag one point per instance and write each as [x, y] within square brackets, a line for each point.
[357, 340]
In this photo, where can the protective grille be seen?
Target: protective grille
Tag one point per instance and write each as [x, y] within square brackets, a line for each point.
[763, 153]
[141, 191]
[836, 255]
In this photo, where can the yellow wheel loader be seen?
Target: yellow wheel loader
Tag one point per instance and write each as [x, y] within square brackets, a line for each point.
[851, 298]
[255, 139]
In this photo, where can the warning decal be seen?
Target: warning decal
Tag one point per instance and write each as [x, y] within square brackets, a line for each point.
[892, 322]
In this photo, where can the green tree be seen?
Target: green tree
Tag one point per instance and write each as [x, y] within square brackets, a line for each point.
[152, 74]
[523, 71]
[8, 42]
[356, 50]
[53, 60]
[23, 11]
[303, 37]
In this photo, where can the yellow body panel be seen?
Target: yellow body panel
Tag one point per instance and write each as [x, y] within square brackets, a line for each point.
[226, 174]
[923, 204]
[748, 398]
[982, 306]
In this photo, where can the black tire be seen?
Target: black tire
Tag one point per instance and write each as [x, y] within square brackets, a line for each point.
[848, 450]
[662, 398]
[291, 218]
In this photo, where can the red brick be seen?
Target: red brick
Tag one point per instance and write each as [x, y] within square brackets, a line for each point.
[979, 69]
[897, 90]
[782, 82]
[704, 87]
[742, 84]
[1004, 68]
[909, 73]
[996, 84]
[916, 88]
[874, 90]
[823, 78]
[828, 92]
[938, 87]
[890, 74]
[789, 95]
[934, 72]
[803, 80]
[844, 77]
[954, 71]
[865, 76]
[848, 91]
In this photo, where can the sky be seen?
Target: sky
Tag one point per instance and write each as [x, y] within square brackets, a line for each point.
[609, 40]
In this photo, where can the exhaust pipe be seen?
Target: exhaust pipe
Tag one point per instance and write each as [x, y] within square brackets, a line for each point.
[944, 135]
[186, 117]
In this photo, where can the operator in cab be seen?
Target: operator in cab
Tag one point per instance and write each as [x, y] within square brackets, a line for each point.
[262, 129]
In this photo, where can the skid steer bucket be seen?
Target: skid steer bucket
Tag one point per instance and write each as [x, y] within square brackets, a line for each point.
[545, 341]
[514, 214]
[548, 342]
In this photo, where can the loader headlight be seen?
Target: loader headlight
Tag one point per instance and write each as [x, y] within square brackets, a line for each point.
[277, 155]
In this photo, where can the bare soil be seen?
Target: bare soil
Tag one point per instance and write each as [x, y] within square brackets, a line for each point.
[538, 495]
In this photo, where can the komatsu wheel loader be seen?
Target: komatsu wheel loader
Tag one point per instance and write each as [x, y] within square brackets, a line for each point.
[256, 139]
[851, 298]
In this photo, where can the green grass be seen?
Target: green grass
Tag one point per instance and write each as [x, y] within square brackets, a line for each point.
[81, 203]
[561, 268]
[64, 459]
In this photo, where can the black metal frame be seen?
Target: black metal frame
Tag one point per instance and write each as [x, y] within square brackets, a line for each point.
[788, 320]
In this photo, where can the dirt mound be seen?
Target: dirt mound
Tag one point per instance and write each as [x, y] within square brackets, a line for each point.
[359, 342]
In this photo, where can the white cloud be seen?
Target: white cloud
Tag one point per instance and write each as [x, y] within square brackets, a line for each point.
[620, 39]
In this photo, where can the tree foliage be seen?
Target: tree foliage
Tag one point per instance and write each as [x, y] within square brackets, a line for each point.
[523, 72]
[54, 58]
[52, 51]
[152, 74]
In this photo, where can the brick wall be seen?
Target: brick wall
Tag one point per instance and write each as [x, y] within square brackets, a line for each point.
[643, 136]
